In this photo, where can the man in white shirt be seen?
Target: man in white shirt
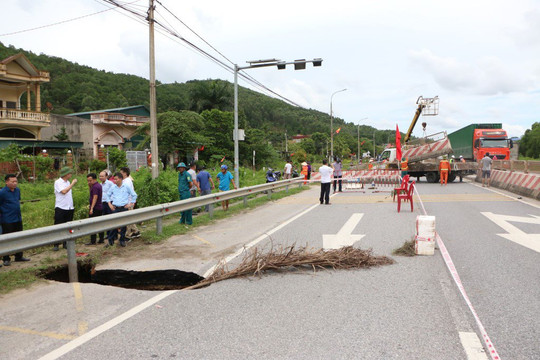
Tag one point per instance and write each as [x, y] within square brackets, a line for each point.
[193, 173]
[326, 178]
[63, 206]
[287, 171]
[132, 230]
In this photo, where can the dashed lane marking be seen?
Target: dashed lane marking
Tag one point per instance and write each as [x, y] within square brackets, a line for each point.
[472, 345]
[203, 240]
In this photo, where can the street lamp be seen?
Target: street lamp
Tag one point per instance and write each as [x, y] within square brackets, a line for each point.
[332, 125]
[358, 153]
[281, 65]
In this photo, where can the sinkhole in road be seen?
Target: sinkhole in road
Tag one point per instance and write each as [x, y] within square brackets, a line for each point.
[129, 279]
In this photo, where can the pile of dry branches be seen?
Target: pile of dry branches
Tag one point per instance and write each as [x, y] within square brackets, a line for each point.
[255, 262]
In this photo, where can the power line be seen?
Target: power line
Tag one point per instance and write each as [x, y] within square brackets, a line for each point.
[56, 23]
[202, 52]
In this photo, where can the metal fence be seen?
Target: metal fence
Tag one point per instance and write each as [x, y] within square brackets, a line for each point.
[70, 231]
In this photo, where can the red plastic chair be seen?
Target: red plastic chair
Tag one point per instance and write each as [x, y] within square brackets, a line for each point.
[408, 195]
[402, 188]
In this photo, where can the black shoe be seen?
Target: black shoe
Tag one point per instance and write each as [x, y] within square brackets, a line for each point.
[90, 243]
[7, 262]
[328, 204]
[21, 259]
[101, 242]
[122, 243]
[55, 248]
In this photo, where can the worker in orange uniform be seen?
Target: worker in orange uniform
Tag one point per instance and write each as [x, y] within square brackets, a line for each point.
[404, 167]
[304, 171]
[444, 169]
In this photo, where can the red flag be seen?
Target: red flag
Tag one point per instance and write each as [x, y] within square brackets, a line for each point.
[222, 160]
[398, 144]
[338, 130]
[202, 148]
[362, 143]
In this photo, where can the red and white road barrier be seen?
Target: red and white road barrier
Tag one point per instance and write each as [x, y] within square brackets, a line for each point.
[517, 182]
[453, 271]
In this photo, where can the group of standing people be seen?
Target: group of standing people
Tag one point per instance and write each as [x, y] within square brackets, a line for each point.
[199, 180]
[107, 197]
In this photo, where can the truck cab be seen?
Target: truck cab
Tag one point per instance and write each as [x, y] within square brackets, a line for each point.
[492, 141]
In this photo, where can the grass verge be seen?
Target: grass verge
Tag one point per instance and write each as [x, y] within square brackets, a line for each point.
[24, 277]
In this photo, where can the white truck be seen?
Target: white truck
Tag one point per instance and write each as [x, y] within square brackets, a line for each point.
[423, 157]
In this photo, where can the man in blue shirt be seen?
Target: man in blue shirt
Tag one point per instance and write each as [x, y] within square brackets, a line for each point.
[224, 180]
[205, 179]
[106, 185]
[10, 207]
[121, 198]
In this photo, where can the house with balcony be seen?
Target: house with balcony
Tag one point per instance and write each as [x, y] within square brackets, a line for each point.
[116, 127]
[21, 120]
[20, 81]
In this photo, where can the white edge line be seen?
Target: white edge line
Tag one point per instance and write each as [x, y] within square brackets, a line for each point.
[64, 349]
[73, 344]
[472, 345]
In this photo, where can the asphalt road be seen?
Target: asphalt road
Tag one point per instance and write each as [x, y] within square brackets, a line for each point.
[409, 310]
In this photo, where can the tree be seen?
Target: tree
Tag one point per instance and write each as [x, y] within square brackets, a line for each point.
[182, 131]
[529, 145]
[62, 135]
[208, 95]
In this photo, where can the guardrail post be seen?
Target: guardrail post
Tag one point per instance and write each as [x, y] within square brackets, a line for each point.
[245, 200]
[159, 225]
[287, 189]
[211, 210]
[72, 261]
[270, 194]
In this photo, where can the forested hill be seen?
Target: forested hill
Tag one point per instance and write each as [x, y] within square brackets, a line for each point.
[76, 88]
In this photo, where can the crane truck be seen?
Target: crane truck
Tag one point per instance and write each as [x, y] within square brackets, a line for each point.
[423, 155]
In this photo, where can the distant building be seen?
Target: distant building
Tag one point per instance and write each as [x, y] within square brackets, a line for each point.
[298, 138]
[21, 119]
[115, 127]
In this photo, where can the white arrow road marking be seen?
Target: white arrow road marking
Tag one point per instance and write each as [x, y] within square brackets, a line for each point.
[344, 237]
[531, 241]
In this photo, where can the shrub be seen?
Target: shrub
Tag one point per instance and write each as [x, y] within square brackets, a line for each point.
[155, 191]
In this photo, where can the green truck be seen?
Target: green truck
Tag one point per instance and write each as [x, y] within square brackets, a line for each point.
[475, 140]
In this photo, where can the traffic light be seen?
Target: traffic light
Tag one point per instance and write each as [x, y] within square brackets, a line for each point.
[317, 62]
[281, 65]
[300, 64]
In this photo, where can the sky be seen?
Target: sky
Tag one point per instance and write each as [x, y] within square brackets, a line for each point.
[480, 57]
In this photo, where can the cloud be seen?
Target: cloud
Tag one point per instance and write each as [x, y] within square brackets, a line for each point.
[488, 76]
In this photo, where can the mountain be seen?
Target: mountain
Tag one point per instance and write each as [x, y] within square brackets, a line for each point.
[77, 88]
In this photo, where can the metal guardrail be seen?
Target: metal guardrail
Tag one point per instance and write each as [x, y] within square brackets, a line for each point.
[70, 231]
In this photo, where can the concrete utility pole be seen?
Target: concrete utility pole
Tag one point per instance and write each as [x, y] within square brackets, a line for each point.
[153, 111]
[286, 145]
[153, 116]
